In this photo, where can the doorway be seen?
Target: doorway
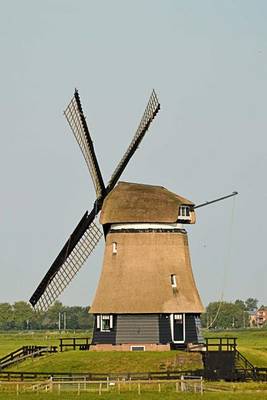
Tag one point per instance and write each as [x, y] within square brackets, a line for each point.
[178, 328]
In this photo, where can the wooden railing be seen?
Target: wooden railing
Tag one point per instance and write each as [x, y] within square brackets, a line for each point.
[221, 344]
[25, 352]
[91, 376]
[82, 343]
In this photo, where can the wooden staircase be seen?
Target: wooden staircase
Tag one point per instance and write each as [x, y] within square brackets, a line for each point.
[222, 360]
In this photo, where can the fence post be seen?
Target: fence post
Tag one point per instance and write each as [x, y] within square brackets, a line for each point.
[58, 388]
[177, 386]
[130, 384]
[201, 385]
[139, 388]
[79, 389]
[17, 389]
[159, 388]
[182, 383]
[100, 389]
[107, 383]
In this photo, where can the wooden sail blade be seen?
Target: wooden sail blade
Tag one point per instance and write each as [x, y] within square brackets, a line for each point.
[75, 252]
[77, 122]
[151, 111]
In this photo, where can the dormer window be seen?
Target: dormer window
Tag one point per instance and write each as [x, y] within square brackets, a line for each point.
[184, 213]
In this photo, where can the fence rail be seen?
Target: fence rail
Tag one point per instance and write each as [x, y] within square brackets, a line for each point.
[192, 384]
[82, 343]
[25, 352]
[88, 376]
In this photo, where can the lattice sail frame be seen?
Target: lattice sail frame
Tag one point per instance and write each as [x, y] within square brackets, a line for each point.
[150, 112]
[77, 122]
[70, 267]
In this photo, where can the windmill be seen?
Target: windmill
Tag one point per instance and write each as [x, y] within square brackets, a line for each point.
[146, 298]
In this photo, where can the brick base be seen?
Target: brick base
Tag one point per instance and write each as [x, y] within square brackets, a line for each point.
[127, 347]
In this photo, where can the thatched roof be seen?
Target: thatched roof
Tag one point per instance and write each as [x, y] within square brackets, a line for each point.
[138, 278]
[135, 202]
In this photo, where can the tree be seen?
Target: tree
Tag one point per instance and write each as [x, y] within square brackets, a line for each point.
[6, 316]
[51, 316]
[22, 312]
[226, 315]
[251, 304]
[241, 304]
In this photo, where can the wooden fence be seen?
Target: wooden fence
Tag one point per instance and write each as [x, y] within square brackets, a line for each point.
[21, 376]
[192, 384]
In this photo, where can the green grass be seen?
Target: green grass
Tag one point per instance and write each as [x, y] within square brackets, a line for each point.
[251, 343]
[135, 396]
[112, 362]
[13, 340]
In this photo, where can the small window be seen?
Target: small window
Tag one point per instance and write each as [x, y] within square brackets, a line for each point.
[105, 322]
[114, 248]
[184, 213]
[178, 318]
[138, 348]
[173, 281]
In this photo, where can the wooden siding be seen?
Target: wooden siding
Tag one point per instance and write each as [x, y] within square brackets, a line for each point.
[193, 329]
[164, 329]
[104, 337]
[137, 328]
[147, 328]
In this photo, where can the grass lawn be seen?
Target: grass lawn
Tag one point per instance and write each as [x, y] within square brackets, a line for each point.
[132, 396]
[10, 341]
[112, 362]
[251, 343]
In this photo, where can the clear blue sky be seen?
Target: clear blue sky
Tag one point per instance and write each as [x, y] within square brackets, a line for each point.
[206, 60]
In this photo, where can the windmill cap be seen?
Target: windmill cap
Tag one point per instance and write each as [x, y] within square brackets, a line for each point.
[136, 202]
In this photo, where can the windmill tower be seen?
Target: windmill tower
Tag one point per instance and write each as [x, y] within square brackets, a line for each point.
[146, 298]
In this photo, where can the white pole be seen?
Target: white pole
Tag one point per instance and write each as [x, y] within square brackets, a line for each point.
[59, 321]
[201, 385]
[182, 383]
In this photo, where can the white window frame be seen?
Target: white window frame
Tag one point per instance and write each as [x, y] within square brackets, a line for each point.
[100, 322]
[136, 345]
[173, 281]
[182, 213]
[172, 317]
[114, 247]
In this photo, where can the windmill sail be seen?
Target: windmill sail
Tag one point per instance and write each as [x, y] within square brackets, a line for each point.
[151, 111]
[71, 258]
[77, 122]
[86, 235]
